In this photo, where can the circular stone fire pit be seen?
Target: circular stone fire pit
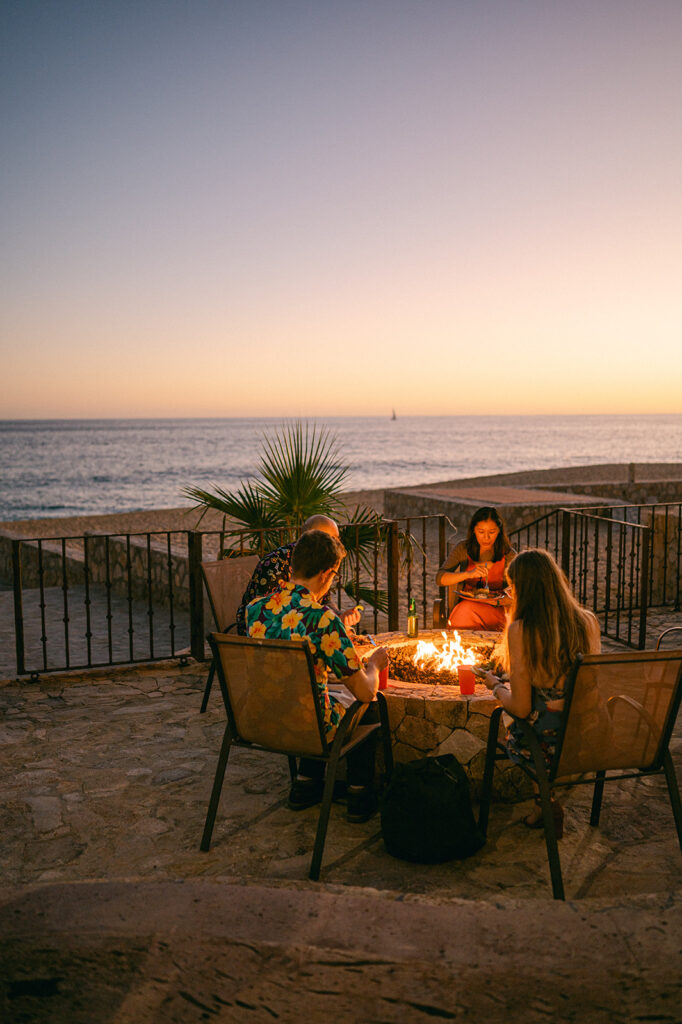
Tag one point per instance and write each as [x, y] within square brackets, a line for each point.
[429, 715]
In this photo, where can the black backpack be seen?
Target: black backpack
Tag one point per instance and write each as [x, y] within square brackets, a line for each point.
[426, 814]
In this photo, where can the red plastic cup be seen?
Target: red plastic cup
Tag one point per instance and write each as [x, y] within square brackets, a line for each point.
[466, 679]
[383, 678]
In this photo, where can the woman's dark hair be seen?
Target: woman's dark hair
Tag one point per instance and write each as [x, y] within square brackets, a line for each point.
[502, 545]
[316, 551]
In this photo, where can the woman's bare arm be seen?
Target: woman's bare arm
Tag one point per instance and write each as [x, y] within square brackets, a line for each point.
[516, 696]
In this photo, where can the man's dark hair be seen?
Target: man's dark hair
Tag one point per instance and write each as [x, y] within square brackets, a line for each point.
[316, 551]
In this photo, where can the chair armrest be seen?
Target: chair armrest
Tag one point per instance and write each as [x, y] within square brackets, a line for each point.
[670, 629]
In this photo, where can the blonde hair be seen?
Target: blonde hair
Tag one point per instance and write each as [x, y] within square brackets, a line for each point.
[555, 627]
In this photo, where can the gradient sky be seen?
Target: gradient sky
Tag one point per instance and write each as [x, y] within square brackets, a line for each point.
[273, 207]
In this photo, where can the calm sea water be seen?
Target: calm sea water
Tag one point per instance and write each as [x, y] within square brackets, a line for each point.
[76, 467]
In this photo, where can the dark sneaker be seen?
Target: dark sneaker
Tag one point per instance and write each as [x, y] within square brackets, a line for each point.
[361, 804]
[305, 793]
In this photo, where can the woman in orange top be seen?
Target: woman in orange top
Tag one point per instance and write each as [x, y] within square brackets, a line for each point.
[479, 560]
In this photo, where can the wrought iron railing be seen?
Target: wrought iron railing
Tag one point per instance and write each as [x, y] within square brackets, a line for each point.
[95, 600]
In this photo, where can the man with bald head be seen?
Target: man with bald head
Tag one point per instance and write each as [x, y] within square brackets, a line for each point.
[275, 568]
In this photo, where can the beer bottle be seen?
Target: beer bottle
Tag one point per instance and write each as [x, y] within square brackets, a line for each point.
[412, 620]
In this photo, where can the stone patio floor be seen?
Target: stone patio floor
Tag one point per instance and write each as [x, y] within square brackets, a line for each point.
[109, 911]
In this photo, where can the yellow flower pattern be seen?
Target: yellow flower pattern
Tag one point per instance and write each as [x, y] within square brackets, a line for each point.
[280, 599]
[330, 642]
[327, 617]
[291, 619]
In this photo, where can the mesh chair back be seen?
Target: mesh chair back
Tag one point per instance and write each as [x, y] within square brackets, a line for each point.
[226, 580]
[620, 712]
[270, 694]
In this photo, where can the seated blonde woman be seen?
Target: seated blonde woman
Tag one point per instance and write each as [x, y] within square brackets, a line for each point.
[480, 559]
[547, 630]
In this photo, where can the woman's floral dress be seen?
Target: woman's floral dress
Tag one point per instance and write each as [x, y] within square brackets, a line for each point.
[545, 724]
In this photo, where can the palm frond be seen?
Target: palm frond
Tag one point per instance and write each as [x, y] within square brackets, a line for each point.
[248, 506]
[302, 472]
[366, 595]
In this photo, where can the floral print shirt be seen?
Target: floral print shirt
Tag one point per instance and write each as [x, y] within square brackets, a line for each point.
[290, 611]
[271, 571]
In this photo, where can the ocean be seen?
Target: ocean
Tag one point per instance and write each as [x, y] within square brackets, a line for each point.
[86, 467]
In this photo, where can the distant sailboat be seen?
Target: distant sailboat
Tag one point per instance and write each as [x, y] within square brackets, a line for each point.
[393, 415]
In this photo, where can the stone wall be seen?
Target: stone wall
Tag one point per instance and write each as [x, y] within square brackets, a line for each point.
[402, 504]
[73, 566]
[643, 493]
[431, 720]
[150, 568]
[610, 472]
[52, 564]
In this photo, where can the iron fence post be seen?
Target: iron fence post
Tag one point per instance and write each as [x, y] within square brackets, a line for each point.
[196, 595]
[566, 541]
[442, 591]
[393, 575]
[643, 588]
[18, 607]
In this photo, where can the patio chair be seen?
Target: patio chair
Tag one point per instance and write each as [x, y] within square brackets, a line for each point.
[619, 713]
[225, 581]
[272, 703]
[442, 608]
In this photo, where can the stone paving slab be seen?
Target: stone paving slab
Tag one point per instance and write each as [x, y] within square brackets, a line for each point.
[216, 950]
[108, 776]
[109, 912]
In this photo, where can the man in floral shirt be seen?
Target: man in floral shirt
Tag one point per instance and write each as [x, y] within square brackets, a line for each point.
[296, 608]
[275, 568]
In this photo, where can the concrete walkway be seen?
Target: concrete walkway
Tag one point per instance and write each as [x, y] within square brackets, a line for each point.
[109, 911]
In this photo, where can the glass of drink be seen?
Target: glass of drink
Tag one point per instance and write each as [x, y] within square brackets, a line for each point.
[466, 679]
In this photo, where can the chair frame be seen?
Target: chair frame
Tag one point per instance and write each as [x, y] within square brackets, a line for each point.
[670, 629]
[442, 608]
[349, 734]
[220, 626]
[546, 778]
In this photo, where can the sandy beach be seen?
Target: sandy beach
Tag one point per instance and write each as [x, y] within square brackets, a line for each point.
[146, 520]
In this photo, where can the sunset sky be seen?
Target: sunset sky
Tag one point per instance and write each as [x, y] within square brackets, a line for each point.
[273, 207]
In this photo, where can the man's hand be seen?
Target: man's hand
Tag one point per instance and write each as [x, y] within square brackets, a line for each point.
[379, 658]
[351, 618]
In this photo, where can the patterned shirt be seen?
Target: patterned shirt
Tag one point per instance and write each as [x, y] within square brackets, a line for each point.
[271, 571]
[293, 611]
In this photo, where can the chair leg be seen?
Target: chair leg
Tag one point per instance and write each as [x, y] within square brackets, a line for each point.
[293, 768]
[487, 786]
[323, 820]
[215, 792]
[545, 791]
[673, 793]
[386, 735]
[550, 838]
[207, 688]
[597, 797]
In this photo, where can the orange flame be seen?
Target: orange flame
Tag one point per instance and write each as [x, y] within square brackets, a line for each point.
[448, 657]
